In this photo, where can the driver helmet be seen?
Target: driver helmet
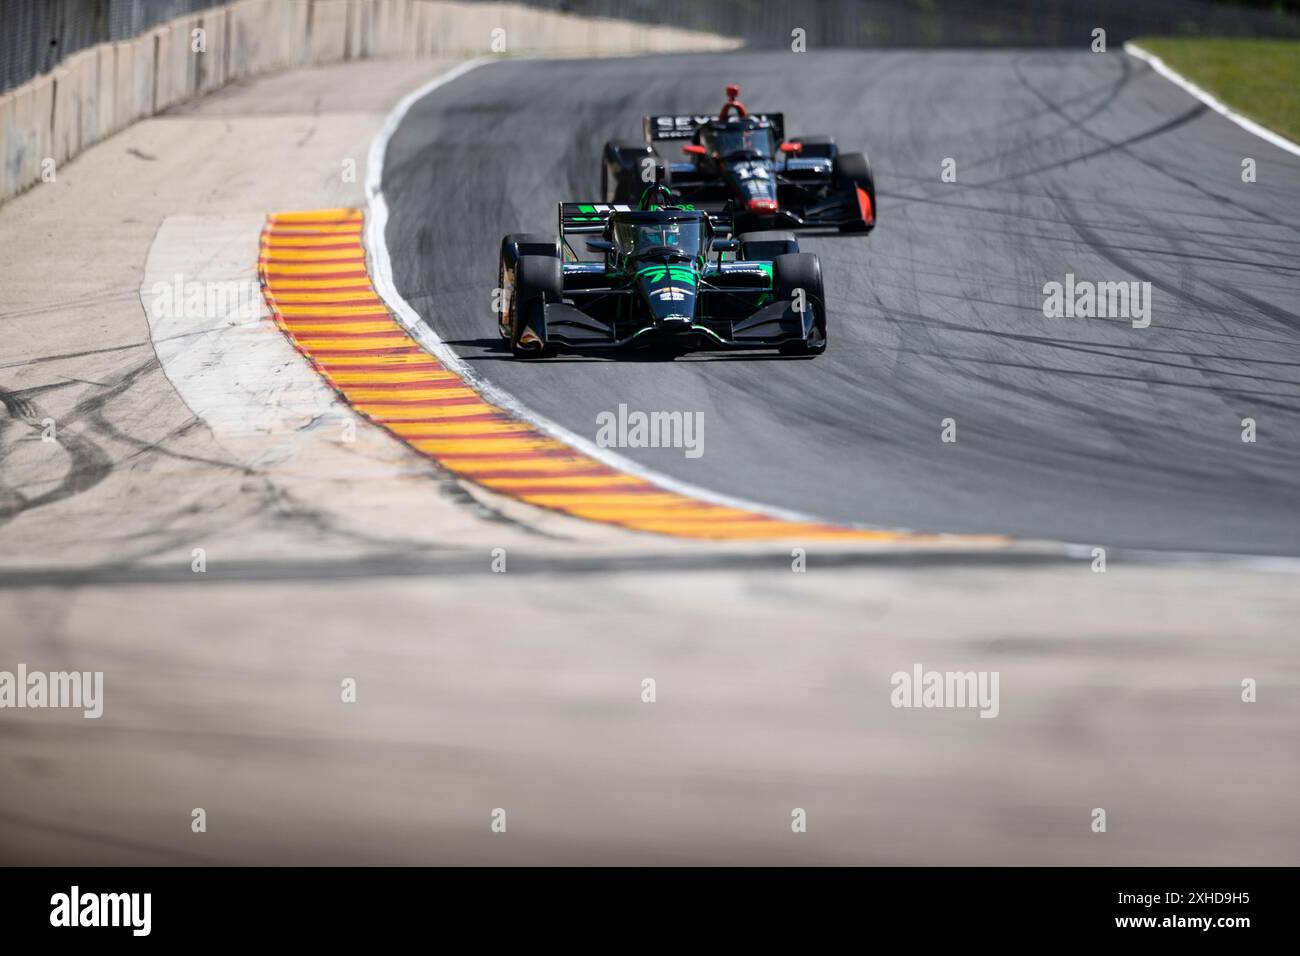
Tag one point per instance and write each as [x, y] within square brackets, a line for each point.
[655, 195]
[661, 234]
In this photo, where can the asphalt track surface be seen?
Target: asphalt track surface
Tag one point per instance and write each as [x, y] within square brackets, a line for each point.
[1082, 430]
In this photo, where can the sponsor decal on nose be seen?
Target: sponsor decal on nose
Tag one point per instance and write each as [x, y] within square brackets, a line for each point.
[761, 205]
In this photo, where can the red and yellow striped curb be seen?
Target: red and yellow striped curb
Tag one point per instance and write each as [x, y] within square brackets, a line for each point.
[313, 271]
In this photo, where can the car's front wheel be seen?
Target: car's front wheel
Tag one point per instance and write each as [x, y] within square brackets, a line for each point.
[512, 247]
[852, 174]
[538, 280]
[797, 278]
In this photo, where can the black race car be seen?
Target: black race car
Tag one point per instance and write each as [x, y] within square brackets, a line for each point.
[744, 157]
[661, 273]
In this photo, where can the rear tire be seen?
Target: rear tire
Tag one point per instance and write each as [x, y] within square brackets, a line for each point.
[802, 271]
[538, 280]
[851, 173]
[627, 185]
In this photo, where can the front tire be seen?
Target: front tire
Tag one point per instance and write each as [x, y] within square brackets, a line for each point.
[512, 247]
[538, 280]
[852, 175]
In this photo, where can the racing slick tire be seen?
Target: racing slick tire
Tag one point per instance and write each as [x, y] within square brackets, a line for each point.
[852, 173]
[627, 185]
[538, 280]
[512, 247]
[767, 244]
[802, 271]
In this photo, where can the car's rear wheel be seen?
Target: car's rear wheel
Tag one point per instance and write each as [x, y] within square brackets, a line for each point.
[797, 278]
[852, 175]
[538, 280]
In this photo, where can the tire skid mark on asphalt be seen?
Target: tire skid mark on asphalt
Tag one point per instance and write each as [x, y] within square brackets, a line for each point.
[312, 268]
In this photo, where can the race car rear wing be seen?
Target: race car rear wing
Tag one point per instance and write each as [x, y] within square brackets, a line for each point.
[577, 218]
[580, 217]
[684, 126]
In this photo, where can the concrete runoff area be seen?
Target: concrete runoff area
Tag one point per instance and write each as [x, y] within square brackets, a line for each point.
[773, 692]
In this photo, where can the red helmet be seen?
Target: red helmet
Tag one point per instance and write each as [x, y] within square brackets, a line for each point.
[733, 91]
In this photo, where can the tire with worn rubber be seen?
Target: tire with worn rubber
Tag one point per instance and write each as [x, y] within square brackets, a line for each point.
[512, 247]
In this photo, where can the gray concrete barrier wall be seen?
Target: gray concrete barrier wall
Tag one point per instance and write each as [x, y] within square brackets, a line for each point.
[767, 24]
[100, 90]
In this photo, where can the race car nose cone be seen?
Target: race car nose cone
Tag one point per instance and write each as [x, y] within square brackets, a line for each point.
[761, 205]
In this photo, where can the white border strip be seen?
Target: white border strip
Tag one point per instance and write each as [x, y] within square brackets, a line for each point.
[1250, 126]
[381, 275]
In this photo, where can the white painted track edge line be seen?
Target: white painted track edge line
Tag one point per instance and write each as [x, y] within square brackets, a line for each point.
[1250, 126]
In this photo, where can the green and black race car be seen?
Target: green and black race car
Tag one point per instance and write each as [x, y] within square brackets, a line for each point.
[662, 274]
